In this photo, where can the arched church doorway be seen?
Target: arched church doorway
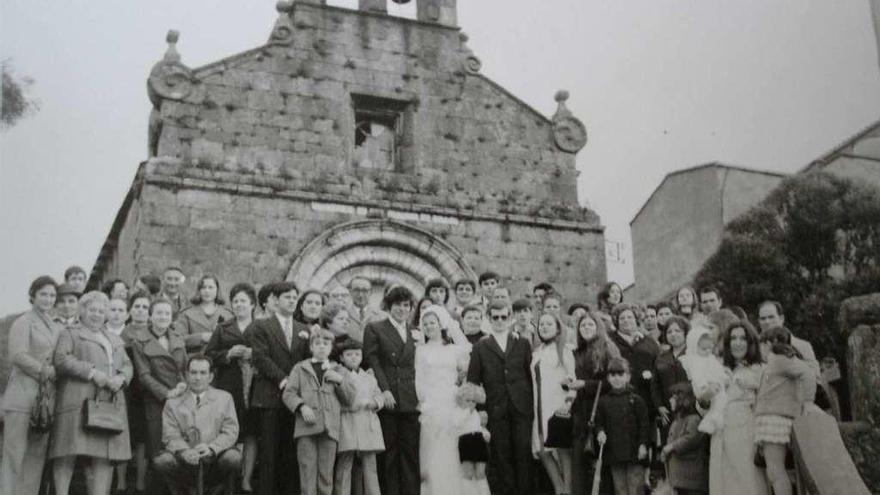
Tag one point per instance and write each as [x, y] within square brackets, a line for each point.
[383, 251]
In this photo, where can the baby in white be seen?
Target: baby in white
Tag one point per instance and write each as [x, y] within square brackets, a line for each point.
[708, 376]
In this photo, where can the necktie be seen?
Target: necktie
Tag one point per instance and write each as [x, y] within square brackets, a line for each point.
[198, 400]
[288, 331]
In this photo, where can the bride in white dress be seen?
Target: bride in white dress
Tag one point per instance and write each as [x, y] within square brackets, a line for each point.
[439, 364]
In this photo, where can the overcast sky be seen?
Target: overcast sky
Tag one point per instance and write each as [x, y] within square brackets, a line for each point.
[660, 85]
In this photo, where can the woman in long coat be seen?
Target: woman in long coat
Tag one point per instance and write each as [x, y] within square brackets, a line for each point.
[32, 341]
[230, 351]
[91, 362]
[159, 361]
[139, 317]
[731, 461]
[196, 323]
[591, 357]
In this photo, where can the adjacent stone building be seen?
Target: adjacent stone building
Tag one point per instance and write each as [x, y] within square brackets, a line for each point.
[354, 143]
[682, 223]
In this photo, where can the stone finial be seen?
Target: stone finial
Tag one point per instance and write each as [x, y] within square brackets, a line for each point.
[471, 64]
[284, 6]
[169, 79]
[569, 133]
[440, 11]
[282, 32]
[171, 54]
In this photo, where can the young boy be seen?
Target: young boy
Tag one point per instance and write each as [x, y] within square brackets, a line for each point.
[686, 453]
[488, 282]
[361, 433]
[522, 322]
[622, 422]
[316, 390]
[67, 306]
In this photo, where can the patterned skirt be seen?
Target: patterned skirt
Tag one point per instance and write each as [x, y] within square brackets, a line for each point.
[773, 429]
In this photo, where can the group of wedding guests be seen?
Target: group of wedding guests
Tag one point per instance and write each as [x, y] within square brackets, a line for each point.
[465, 390]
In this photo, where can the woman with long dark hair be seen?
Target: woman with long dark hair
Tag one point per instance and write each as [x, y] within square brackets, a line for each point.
[308, 310]
[553, 371]
[196, 323]
[591, 357]
[731, 462]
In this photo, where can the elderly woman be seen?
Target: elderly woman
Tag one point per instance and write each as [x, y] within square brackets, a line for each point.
[196, 323]
[32, 340]
[159, 360]
[230, 352]
[639, 350]
[91, 363]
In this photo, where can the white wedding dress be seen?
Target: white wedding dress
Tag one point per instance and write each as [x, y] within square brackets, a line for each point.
[437, 368]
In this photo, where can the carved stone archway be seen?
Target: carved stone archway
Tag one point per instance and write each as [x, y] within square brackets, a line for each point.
[383, 251]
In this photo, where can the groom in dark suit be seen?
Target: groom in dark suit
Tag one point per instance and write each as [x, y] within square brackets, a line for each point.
[389, 350]
[278, 344]
[500, 363]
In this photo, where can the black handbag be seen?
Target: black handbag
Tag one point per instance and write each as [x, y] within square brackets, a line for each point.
[43, 411]
[559, 431]
[101, 416]
[590, 435]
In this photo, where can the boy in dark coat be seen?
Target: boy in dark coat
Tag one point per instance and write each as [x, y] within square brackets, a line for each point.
[622, 424]
[687, 450]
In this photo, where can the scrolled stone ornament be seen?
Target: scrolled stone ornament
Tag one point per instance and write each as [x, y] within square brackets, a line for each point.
[282, 32]
[569, 133]
[170, 79]
[471, 63]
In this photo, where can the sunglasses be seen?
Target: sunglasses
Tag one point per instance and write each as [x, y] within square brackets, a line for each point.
[500, 317]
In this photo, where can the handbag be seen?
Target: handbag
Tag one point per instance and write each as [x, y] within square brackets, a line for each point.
[101, 416]
[42, 412]
[559, 431]
[590, 442]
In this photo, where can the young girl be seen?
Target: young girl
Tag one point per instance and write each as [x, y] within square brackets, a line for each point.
[623, 427]
[552, 367]
[786, 383]
[360, 434]
[473, 443]
[707, 375]
[686, 454]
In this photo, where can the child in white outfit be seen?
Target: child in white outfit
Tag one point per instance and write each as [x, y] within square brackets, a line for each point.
[473, 442]
[707, 375]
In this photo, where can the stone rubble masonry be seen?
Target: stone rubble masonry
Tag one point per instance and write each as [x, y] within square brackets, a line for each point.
[240, 160]
[287, 112]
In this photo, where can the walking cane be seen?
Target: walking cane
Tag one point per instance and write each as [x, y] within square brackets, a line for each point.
[200, 483]
[597, 475]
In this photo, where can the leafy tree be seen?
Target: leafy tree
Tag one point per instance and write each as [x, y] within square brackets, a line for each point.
[813, 242]
[16, 103]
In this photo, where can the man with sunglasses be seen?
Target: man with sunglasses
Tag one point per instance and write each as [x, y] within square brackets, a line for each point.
[500, 363]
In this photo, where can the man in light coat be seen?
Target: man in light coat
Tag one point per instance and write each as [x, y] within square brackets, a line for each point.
[199, 429]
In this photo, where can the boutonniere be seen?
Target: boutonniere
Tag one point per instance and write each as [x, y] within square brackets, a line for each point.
[647, 375]
[303, 335]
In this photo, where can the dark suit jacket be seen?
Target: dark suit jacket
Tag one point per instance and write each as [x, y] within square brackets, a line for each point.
[505, 376]
[641, 356]
[273, 358]
[393, 362]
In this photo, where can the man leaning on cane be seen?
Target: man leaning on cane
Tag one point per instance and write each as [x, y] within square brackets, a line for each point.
[199, 431]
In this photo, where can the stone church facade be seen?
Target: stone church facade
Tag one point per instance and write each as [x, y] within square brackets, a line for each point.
[354, 143]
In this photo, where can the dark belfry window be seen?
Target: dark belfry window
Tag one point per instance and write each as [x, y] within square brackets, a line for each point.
[378, 132]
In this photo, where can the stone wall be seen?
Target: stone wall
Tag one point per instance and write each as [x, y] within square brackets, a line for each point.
[860, 319]
[256, 232]
[288, 110]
